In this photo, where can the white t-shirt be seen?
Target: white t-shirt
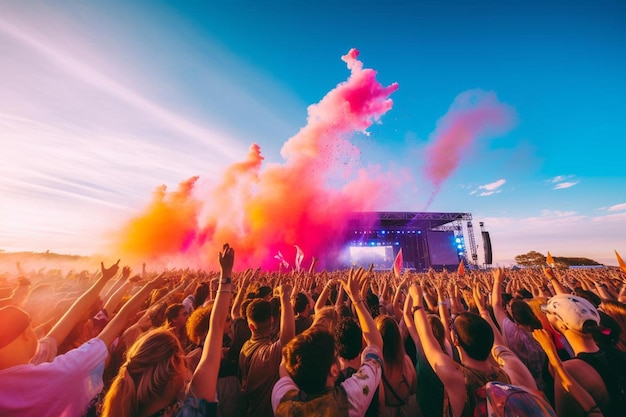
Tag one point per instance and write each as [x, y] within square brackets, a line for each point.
[61, 388]
[360, 387]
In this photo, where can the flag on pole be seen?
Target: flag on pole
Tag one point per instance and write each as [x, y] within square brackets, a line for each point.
[299, 257]
[461, 270]
[397, 264]
[282, 260]
[620, 261]
[549, 260]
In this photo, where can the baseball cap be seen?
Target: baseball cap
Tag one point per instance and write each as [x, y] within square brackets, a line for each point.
[14, 322]
[572, 310]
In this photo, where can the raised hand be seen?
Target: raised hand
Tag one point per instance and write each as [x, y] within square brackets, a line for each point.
[498, 276]
[110, 272]
[354, 283]
[126, 272]
[417, 293]
[478, 297]
[227, 259]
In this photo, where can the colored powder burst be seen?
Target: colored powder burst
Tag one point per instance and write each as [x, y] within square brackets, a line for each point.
[261, 210]
[475, 114]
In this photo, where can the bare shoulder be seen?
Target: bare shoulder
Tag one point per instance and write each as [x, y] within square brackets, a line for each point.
[582, 371]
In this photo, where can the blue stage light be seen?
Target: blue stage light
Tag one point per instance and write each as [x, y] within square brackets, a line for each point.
[459, 246]
[382, 233]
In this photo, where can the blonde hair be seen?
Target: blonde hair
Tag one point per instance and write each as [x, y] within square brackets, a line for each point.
[153, 364]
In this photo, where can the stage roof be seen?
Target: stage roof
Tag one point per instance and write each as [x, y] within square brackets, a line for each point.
[403, 220]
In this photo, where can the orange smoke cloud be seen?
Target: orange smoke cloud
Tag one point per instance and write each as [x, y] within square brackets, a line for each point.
[261, 210]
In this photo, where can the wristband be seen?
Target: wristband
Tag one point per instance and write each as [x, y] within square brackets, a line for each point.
[417, 308]
[225, 280]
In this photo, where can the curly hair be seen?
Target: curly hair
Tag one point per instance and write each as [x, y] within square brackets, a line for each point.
[198, 323]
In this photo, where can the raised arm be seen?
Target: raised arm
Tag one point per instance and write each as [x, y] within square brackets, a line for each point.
[443, 365]
[118, 323]
[321, 300]
[353, 285]
[496, 296]
[80, 307]
[121, 287]
[204, 380]
[551, 276]
[235, 311]
[287, 319]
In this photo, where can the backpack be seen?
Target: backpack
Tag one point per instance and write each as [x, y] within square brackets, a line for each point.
[497, 399]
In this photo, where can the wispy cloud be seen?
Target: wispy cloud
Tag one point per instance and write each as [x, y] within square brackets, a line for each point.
[489, 189]
[561, 183]
[564, 185]
[559, 178]
[617, 207]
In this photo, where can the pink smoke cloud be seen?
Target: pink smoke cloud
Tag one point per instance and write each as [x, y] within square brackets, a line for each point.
[475, 114]
[263, 209]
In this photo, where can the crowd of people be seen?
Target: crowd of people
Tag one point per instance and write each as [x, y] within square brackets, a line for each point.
[331, 343]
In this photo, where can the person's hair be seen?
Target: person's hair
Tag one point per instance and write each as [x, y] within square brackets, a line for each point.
[523, 293]
[259, 312]
[301, 302]
[617, 311]
[474, 334]
[393, 345]
[157, 294]
[308, 358]
[326, 318]
[590, 296]
[157, 314]
[243, 309]
[343, 311]
[153, 363]
[172, 312]
[438, 330]
[263, 292]
[506, 299]
[523, 314]
[202, 292]
[373, 304]
[348, 338]
[535, 305]
[275, 304]
[198, 324]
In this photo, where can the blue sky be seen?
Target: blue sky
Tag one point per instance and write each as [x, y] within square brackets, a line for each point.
[103, 101]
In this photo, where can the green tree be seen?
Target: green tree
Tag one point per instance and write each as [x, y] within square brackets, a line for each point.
[532, 258]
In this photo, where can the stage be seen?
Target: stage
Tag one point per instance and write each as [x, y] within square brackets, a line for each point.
[428, 240]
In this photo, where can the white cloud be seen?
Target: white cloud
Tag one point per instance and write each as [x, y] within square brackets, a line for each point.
[559, 178]
[617, 207]
[564, 185]
[490, 189]
[492, 186]
[486, 193]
